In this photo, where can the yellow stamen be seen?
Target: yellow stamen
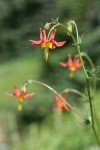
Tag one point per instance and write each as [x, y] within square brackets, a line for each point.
[72, 68]
[47, 45]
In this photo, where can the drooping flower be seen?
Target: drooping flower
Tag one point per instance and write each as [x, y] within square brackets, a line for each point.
[72, 64]
[60, 104]
[47, 42]
[21, 95]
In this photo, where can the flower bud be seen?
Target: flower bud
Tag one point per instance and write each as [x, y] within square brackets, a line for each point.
[47, 25]
[24, 88]
[70, 26]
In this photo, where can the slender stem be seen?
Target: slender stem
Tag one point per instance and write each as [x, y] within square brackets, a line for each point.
[94, 85]
[78, 48]
[88, 58]
[98, 141]
[92, 114]
[90, 101]
[55, 92]
[76, 32]
[92, 65]
[77, 45]
[52, 28]
[74, 91]
[87, 79]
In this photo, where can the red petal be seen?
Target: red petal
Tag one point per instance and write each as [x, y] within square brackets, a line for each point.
[28, 95]
[77, 63]
[65, 107]
[64, 64]
[37, 43]
[8, 94]
[59, 105]
[41, 35]
[64, 104]
[57, 97]
[64, 96]
[16, 91]
[59, 44]
[44, 35]
[70, 61]
[52, 35]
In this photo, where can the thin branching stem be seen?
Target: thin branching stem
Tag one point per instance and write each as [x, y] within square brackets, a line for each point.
[56, 93]
[74, 91]
[87, 79]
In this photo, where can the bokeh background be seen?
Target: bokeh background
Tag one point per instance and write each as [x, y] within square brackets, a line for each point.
[39, 126]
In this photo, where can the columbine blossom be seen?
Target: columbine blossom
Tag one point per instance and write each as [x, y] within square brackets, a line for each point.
[21, 95]
[72, 64]
[60, 104]
[47, 42]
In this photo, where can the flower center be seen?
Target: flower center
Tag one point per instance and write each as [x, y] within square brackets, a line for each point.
[72, 68]
[20, 99]
[47, 45]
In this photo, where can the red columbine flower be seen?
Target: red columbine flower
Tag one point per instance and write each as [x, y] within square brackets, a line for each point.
[73, 65]
[21, 95]
[47, 42]
[59, 105]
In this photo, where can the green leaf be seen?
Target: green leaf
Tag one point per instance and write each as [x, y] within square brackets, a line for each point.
[96, 78]
[93, 71]
[55, 21]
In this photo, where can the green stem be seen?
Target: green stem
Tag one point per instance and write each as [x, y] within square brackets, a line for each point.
[74, 91]
[76, 32]
[88, 58]
[86, 75]
[52, 28]
[92, 65]
[77, 45]
[78, 48]
[92, 114]
[94, 84]
[50, 88]
[87, 79]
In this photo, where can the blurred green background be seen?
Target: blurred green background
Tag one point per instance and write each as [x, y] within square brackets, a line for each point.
[39, 126]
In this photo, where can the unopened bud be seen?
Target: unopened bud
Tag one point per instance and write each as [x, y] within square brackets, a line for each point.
[24, 88]
[70, 26]
[47, 25]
